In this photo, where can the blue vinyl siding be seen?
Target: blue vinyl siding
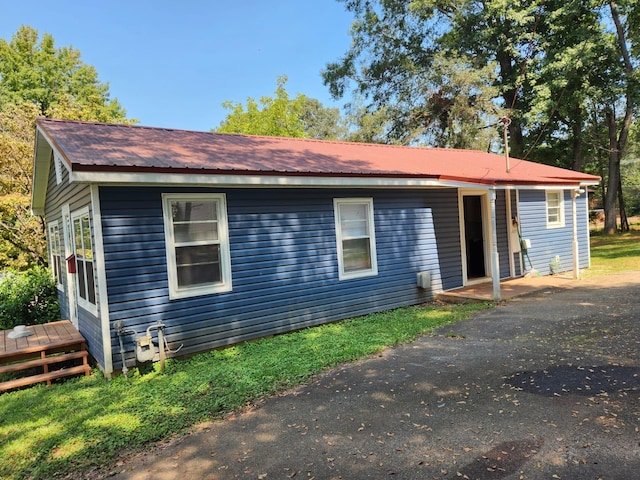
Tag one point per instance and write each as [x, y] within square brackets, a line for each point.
[502, 234]
[517, 259]
[283, 261]
[53, 212]
[447, 228]
[77, 197]
[547, 243]
[582, 214]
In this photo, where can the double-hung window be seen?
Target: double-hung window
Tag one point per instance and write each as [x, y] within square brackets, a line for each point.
[355, 237]
[555, 209]
[197, 242]
[55, 253]
[83, 251]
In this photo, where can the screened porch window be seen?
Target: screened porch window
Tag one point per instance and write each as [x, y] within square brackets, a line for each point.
[197, 242]
[55, 253]
[355, 237]
[83, 250]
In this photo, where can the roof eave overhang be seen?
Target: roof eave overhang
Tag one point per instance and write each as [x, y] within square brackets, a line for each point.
[252, 179]
[106, 175]
[40, 177]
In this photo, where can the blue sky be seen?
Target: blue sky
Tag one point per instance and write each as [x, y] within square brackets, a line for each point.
[172, 63]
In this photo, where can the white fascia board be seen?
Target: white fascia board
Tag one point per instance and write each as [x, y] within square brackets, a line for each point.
[227, 180]
[41, 166]
[550, 186]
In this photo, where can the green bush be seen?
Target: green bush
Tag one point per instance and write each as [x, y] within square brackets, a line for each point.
[28, 298]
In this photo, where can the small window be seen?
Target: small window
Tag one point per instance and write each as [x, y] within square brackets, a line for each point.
[355, 237]
[555, 209]
[55, 253]
[83, 250]
[197, 242]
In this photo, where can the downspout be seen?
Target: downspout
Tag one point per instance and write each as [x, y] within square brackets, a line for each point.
[495, 262]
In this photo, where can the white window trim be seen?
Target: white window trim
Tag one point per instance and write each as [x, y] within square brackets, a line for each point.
[62, 265]
[225, 255]
[87, 305]
[560, 223]
[373, 271]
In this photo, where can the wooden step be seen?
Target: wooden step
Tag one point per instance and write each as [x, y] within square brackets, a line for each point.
[44, 377]
[14, 367]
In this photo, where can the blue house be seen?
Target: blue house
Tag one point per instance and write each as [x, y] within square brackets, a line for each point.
[225, 238]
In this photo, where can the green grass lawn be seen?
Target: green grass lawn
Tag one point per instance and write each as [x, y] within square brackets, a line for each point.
[612, 254]
[70, 426]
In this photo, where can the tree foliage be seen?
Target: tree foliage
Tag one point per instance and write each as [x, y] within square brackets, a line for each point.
[283, 116]
[34, 70]
[38, 79]
[28, 298]
[564, 72]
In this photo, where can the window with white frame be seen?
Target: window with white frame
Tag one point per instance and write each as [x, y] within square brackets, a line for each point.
[83, 250]
[355, 237]
[55, 253]
[197, 243]
[555, 209]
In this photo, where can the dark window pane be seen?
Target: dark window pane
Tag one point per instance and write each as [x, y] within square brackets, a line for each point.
[198, 265]
[356, 254]
[82, 286]
[91, 286]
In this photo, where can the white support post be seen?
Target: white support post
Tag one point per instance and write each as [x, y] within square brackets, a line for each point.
[575, 246]
[495, 262]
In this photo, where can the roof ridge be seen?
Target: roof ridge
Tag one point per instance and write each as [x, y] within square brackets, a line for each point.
[114, 124]
[291, 139]
[346, 142]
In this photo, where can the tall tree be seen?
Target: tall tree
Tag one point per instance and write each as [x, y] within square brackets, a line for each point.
[401, 53]
[620, 109]
[34, 70]
[38, 79]
[283, 116]
[562, 70]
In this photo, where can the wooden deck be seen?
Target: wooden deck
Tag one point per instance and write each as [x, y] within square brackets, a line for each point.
[50, 345]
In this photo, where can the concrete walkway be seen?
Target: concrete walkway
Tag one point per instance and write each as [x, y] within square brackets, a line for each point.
[545, 386]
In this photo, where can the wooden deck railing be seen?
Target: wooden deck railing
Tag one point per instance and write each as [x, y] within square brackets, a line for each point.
[50, 347]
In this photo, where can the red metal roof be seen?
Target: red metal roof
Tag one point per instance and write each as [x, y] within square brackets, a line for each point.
[124, 148]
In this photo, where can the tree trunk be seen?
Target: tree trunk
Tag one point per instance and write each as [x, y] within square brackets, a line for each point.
[624, 221]
[618, 143]
[578, 160]
[610, 216]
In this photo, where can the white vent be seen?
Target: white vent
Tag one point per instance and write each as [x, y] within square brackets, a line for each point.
[57, 162]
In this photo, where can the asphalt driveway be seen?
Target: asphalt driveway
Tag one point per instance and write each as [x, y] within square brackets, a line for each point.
[546, 386]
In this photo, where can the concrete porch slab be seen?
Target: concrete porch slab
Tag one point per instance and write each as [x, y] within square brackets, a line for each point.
[510, 288]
